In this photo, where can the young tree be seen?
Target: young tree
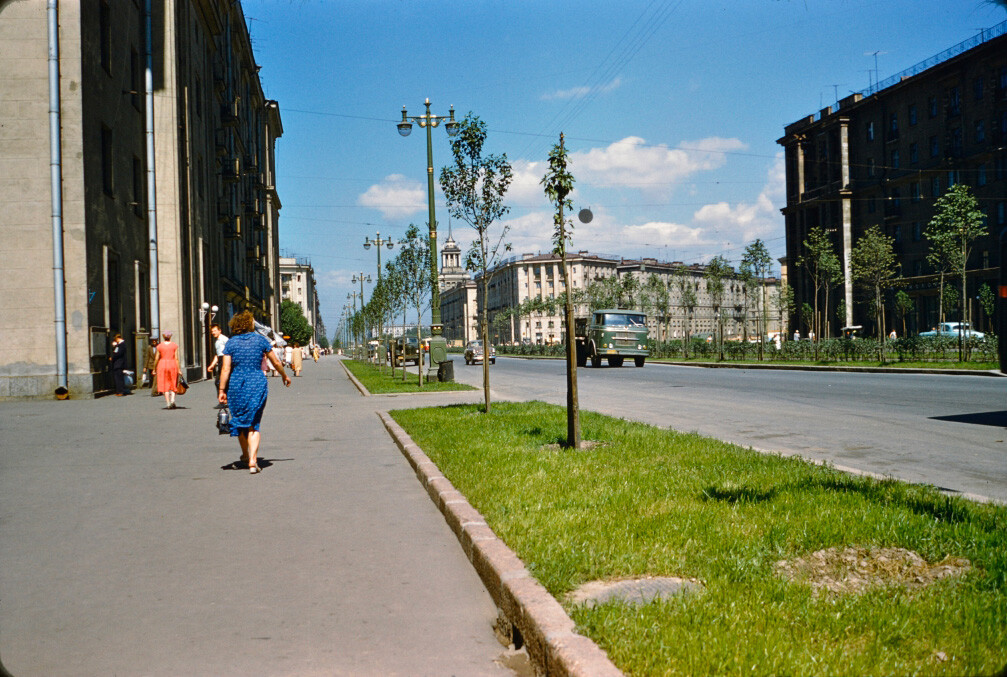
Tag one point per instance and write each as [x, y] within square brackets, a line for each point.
[658, 300]
[716, 271]
[988, 302]
[474, 186]
[823, 266]
[956, 224]
[904, 305]
[294, 324]
[758, 261]
[558, 183]
[873, 263]
[412, 265]
[785, 304]
[687, 301]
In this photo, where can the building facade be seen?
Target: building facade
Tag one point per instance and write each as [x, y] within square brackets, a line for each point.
[297, 284]
[882, 157]
[525, 294]
[145, 182]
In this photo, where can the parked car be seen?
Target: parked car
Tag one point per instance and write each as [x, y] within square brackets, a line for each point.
[953, 329]
[474, 353]
[407, 349]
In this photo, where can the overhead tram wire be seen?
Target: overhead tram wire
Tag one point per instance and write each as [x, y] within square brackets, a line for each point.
[602, 73]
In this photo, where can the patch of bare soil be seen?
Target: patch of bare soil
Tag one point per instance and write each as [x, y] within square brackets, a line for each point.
[585, 445]
[854, 570]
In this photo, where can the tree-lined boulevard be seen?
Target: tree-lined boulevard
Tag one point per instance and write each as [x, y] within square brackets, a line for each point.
[940, 429]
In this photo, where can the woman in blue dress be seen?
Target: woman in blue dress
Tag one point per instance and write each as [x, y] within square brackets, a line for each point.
[243, 386]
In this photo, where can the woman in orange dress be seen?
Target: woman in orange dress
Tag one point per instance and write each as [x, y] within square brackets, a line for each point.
[166, 368]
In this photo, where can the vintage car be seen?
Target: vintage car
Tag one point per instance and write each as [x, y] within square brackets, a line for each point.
[613, 334]
[407, 349]
[953, 329]
[474, 353]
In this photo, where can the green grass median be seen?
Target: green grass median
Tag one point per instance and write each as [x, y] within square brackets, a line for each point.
[380, 380]
[798, 562]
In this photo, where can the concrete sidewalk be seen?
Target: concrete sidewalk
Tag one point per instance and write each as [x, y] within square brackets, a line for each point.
[127, 546]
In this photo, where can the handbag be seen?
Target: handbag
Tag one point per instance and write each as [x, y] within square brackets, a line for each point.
[128, 378]
[224, 421]
[181, 386]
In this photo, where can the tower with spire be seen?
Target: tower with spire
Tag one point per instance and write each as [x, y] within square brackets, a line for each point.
[452, 272]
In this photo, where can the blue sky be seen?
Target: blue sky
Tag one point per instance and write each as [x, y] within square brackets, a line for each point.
[671, 110]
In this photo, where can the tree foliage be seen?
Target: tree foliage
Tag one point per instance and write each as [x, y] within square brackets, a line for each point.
[474, 186]
[294, 324]
[558, 184]
[873, 263]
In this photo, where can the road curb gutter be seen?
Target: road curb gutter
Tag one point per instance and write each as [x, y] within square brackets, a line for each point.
[353, 379]
[546, 629]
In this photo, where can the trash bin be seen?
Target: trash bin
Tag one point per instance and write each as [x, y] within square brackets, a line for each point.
[446, 371]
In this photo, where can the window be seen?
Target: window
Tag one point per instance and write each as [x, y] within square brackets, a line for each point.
[895, 159]
[917, 234]
[956, 142]
[981, 175]
[977, 89]
[933, 106]
[870, 131]
[980, 131]
[914, 191]
[135, 78]
[935, 186]
[897, 233]
[105, 36]
[1001, 213]
[952, 178]
[1003, 77]
[872, 205]
[893, 124]
[106, 160]
[912, 114]
[870, 167]
[954, 101]
[935, 147]
[139, 204]
[986, 258]
[914, 153]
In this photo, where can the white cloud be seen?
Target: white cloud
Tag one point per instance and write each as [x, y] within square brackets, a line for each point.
[395, 197]
[653, 168]
[580, 92]
[745, 221]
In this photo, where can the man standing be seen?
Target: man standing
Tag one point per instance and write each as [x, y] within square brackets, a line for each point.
[118, 366]
[219, 341]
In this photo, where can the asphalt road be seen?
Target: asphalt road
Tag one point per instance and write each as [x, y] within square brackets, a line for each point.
[945, 430]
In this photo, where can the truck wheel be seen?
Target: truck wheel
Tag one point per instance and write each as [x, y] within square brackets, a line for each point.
[596, 361]
[615, 361]
[639, 360]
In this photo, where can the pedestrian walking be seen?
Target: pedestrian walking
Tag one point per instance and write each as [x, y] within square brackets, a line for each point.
[314, 352]
[296, 359]
[243, 386]
[166, 368]
[288, 354]
[219, 341]
[118, 365]
[149, 360]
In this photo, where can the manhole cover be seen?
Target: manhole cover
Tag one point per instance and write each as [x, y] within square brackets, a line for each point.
[636, 591]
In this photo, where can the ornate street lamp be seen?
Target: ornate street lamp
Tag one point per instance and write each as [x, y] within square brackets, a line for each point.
[378, 243]
[429, 121]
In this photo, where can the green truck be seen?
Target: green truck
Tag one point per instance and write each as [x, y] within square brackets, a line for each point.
[614, 334]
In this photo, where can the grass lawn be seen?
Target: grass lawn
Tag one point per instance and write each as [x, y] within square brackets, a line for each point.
[647, 501]
[380, 381]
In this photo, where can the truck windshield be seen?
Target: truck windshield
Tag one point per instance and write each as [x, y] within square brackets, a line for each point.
[622, 320]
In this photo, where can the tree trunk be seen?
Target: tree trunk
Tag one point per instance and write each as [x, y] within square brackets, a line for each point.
[572, 403]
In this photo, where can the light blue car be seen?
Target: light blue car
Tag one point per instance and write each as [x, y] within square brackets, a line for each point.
[953, 329]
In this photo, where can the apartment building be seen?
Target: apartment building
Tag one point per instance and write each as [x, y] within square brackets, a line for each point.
[144, 182]
[657, 289]
[297, 284]
[882, 157]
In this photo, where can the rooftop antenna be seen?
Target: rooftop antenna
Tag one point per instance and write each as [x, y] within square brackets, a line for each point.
[876, 77]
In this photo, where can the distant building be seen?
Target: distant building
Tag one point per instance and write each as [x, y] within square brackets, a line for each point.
[883, 156]
[519, 281]
[203, 206]
[297, 284]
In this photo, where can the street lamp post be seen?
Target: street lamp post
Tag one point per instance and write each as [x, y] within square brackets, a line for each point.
[378, 243]
[429, 121]
[204, 309]
[353, 295]
[361, 278]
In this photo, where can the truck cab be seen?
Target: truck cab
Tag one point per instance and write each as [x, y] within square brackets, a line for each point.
[613, 334]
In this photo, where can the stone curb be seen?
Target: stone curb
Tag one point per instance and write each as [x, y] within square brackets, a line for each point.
[547, 630]
[353, 379]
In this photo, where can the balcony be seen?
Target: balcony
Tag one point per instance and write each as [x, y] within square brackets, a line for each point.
[220, 141]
